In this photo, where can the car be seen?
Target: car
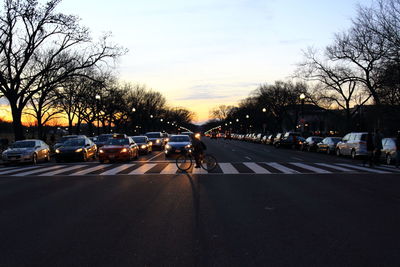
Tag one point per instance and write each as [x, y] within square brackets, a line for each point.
[81, 149]
[31, 150]
[61, 141]
[119, 148]
[353, 144]
[328, 144]
[288, 140]
[310, 144]
[178, 144]
[389, 150]
[156, 139]
[277, 139]
[102, 139]
[144, 144]
[270, 140]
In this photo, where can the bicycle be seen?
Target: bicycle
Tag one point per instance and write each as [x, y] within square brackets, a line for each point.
[185, 161]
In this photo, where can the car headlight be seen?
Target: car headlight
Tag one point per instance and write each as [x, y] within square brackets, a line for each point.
[79, 150]
[188, 146]
[168, 147]
[143, 146]
[124, 150]
[150, 143]
[157, 141]
[58, 151]
[101, 151]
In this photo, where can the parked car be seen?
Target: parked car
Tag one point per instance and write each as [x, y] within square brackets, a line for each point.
[177, 144]
[61, 141]
[156, 139]
[277, 139]
[352, 144]
[144, 144]
[102, 139]
[270, 140]
[31, 150]
[389, 150]
[310, 144]
[119, 148]
[76, 149]
[298, 142]
[288, 140]
[328, 144]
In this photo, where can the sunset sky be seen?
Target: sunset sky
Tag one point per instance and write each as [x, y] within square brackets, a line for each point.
[200, 54]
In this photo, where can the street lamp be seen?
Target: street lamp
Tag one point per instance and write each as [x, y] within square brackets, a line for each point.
[133, 109]
[264, 110]
[302, 97]
[98, 98]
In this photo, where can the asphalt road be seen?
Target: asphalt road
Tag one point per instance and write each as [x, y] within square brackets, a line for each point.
[306, 209]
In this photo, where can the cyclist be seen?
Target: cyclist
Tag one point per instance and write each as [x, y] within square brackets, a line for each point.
[198, 149]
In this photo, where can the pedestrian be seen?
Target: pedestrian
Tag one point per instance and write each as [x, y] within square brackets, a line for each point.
[398, 149]
[370, 150]
[378, 146]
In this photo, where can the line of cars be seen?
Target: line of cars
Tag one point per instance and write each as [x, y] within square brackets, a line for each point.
[352, 144]
[106, 147]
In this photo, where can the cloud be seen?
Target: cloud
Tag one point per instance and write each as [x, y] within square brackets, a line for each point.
[218, 91]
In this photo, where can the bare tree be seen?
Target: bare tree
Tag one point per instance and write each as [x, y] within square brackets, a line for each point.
[221, 112]
[31, 33]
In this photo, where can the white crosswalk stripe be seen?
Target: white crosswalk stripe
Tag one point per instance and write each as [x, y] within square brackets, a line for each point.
[17, 169]
[199, 171]
[334, 167]
[61, 170]
[228, 168]
[170, 169]
[310, 168]
[117, 169]
[89, 170]
[256, 168]
[362, 168]
[142, 169]
[38, 170]
[281, 168]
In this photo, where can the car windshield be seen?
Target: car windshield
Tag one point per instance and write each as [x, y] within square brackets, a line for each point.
[139, 139]
[118, 142]
[65, 138]
[103, 138]
[75, 142]
[153, 135]
[179, 139]
[23, 144]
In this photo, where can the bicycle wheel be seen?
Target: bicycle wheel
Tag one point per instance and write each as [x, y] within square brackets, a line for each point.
[184, 162]
[209, 162]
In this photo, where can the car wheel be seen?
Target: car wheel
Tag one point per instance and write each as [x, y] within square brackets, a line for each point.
[34, 159]
[389, 160]
[353, 154]
[338, 152]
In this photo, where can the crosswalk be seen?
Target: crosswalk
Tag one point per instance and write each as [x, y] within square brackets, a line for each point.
[170, 168]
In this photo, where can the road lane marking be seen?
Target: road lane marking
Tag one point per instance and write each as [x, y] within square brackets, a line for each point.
[281, 168]
[95, 168]
[142, 169]
[228, 168]
[19, 169]
[310, 168]
[62, 170]
[248, 158]
[297, 158]
[199, 171]
[171, 168]
[38, 170]
[362, 168]
[256, 168]
[117, 169]
[334, 167]
[387, 168]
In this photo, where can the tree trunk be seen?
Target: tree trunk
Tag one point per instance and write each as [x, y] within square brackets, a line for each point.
[17, 124]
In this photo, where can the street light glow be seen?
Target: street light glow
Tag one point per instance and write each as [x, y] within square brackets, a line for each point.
[302, 96]
[98, 97]
[264, 110]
